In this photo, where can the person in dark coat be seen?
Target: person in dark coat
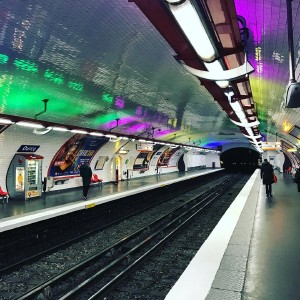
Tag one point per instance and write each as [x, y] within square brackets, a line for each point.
[297, 178]
[266, 174]
[86, 174]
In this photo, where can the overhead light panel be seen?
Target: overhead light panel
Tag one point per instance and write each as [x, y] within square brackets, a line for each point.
[62, 129]
[5, 121]
[79, 131]
[191, 24]
[96, 133]
[31, 125]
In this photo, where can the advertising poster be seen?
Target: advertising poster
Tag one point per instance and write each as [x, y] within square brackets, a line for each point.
[163, 160]
[100, 162]
[20, 173]
[175, 157]
[144, 157]
[80, 149]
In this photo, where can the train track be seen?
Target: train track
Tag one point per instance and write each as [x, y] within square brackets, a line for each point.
[33, 242]
[89, 268]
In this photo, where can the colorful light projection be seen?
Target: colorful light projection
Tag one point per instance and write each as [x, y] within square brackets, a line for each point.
[286, 126]
[26, 65]
[76, 86]
[25, 92]
[3, 59]
[123, 121]
[120, 102]
[107, 98]
[54, 77]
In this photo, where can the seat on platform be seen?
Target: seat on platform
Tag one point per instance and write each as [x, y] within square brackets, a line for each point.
[96, 179]
[3, 195]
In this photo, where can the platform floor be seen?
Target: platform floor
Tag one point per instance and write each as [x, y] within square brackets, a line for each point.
[17, 213]
[259, 259]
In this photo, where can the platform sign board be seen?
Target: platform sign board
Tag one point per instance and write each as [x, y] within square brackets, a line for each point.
[28, 148]
[80, 149]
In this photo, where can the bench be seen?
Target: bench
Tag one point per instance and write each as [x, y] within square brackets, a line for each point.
[3, 195]
[96, 180]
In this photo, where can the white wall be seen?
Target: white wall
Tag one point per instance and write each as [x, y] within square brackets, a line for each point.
[15, 136]
[278, 160]
[212, 157]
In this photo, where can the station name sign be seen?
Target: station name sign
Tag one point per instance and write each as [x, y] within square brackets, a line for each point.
[28, 148]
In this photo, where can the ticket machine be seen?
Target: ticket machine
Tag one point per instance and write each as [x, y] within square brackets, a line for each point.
[24, 176]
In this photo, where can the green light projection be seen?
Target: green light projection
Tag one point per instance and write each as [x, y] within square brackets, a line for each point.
[265, 94]
[26, 65]
[76, 86]
[107, 98]
[3, 59]
[54, 77]
[25, 95]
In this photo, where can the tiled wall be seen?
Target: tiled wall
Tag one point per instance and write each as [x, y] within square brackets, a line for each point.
[15, 136]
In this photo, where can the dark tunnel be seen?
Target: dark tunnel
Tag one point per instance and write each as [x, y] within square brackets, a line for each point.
[240, 160]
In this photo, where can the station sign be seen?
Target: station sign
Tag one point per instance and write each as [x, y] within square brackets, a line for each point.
[28, 148]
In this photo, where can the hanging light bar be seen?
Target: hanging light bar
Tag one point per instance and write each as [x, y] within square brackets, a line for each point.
[188, 19]
[31, 125]
[6, 121]
[79, 131]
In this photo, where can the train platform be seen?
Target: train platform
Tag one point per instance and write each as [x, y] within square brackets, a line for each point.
[253, 252]
[17, 213]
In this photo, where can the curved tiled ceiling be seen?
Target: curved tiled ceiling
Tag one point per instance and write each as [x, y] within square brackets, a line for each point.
[98, 61]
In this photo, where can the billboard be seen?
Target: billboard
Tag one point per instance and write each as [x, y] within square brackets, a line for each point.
[77, 150]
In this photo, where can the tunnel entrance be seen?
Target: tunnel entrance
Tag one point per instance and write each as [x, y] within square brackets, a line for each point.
[240, 160]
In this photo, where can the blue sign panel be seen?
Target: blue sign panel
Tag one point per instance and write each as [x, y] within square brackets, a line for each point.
[28, 148]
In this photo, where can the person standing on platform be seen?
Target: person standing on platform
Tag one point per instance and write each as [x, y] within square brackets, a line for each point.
[297, 178]
[86, 174]
[266, 174]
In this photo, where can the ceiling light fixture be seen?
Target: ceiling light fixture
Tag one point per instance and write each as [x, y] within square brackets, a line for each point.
[188, 19]
[6, 121]
[62, 129]
[96, 133]
[31, 125]
[79, 131]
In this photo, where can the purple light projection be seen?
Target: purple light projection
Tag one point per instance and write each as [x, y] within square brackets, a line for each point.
[120, 102]
[267, 62]
[139, 111]
[121, 122]
[137, 128]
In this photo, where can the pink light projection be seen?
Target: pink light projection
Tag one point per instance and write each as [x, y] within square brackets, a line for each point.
[255, 24]
[139, 111]
[137, 128]
[121, 122]
[120, 102]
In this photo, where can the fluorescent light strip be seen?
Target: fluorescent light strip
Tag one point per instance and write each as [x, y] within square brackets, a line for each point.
[190, 22]
[111, 136]
[60, 129]
[79, 131]
[31, 125]
[96, 134]
[6, 121]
